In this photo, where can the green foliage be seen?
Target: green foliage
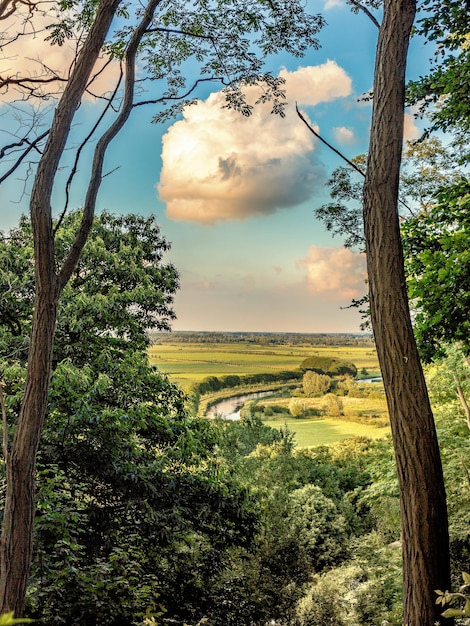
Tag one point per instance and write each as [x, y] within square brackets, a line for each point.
[317, 526]
[297, 407]
[366, 590]
[315, 384]
[441, 94]
[462, 597]
[329, 366]
[130, 496]
[333, 405]
[8, 619]
[437, 260]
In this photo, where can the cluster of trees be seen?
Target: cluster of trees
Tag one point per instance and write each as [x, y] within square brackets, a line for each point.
[329, 366]
[140, 417]
[263, 339]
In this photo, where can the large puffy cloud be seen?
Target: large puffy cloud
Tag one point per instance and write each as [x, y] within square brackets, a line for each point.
[219, 165]
[337, 272]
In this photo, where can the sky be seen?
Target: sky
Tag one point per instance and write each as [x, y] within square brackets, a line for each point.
[236, 196]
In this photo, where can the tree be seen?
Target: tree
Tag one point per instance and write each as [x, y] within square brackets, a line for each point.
[163, 36]
[447, 22]
[422, 495]
[315, 384]
[126, 484]
[437, 262]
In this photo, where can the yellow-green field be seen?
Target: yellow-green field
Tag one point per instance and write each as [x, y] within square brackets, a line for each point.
[322, 432]
[186, 363]
[191, 362]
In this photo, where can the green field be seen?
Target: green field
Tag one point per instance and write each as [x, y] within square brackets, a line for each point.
[191, 362]
[316, 432]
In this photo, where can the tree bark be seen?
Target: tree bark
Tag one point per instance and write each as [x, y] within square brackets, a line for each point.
[422, 495]
[18, 518]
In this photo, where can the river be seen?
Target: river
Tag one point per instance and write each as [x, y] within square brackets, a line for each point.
[229, 408]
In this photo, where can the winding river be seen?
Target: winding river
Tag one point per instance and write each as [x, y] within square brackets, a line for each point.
[229, 408]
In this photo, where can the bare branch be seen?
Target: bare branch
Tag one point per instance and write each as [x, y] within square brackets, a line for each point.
[182, 96]
[361, 7]
[179, 32]
[79, 151]
[32, 145]
[102, 145]
[340, 154]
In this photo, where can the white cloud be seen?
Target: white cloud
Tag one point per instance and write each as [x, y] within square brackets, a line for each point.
[411, 131]
[344, 135]
[219, 165]
[338, 272]
[314, 84]
[331, 4]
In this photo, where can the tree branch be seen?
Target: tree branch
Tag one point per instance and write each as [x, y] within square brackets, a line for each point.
[340, 154]
[102, 145]
[32, 145]
[181, 97]
[79, 151]
[361, 7]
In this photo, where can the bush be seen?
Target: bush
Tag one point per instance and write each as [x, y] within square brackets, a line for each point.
[334, 406]
[329, 365]
[314, 384]
[297, 407]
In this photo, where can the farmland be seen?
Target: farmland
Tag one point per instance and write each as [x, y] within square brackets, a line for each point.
[188, 359]
[189, 362]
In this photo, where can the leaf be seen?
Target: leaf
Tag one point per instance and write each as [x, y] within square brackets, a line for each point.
[453, 613]
[8, 618]
[466, 578]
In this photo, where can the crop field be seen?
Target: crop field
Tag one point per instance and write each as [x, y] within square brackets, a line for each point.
[317, 432]
[191, 362]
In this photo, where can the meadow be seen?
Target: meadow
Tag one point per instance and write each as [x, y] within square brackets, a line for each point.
[309, 433]
[191, 361]
[186, 363]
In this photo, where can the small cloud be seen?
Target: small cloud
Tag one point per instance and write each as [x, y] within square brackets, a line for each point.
[319, 83]
[410, 130]
[331, 4]
[338, 272]
[344, 135]
[219, 165]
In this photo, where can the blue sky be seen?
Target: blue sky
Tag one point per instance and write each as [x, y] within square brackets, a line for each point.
[236, 196]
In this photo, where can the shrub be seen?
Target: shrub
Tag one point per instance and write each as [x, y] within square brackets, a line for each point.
[334, 406]
[297, 407]
[314, 384]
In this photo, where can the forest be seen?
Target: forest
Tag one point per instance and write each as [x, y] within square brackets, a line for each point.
[121, 504]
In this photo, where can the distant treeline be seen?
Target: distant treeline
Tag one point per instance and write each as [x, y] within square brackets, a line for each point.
[212, 384]
[294, 339]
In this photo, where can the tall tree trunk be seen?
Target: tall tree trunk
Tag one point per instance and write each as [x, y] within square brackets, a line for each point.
[18, 518]
[422, 494]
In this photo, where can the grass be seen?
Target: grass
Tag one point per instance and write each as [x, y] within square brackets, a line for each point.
[316, 432]
[186, 363]
[191, 362]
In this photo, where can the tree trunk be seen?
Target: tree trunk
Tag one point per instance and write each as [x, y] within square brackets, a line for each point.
[18, 518]
[17, 530]
[422, 494]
